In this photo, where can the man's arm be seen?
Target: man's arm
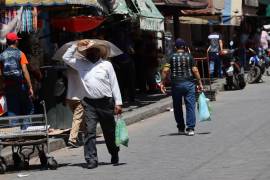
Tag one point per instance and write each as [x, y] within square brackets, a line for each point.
[28, 80]
[221, 44]
[115, 90]
[207, 51]
[114, 85]
[197, 76]
[164, 75]
[68, 57]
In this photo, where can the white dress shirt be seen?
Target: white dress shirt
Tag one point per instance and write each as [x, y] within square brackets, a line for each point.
[75, 90]
[98, 79]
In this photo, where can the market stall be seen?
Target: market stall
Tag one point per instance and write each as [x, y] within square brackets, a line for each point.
[44, 27]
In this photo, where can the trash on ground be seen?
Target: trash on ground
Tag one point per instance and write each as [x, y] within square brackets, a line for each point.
[22, 175]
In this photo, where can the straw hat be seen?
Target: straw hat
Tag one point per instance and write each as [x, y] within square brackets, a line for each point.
[88, 44]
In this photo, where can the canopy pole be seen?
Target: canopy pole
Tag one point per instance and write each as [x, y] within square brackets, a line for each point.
[176, 25]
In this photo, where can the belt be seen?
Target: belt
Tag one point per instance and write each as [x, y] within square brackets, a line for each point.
[99, 100]
[9, 82]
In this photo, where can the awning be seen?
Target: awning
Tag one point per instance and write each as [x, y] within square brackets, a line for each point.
[266, 2]
[149, 16]
[252, 3]
[188, 4]
[50, 2]
[119, 7]
[210, 20]
[77, 24]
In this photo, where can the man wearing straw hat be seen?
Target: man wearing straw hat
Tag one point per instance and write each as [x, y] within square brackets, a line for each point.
[102, 99]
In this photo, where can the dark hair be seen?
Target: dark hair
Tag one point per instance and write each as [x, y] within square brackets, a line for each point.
[180, 44]
[9, 42]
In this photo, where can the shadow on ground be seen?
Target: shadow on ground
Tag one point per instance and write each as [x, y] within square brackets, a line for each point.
[177, 134]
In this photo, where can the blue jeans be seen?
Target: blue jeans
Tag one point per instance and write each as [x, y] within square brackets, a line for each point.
[214, 58]
[184, 89]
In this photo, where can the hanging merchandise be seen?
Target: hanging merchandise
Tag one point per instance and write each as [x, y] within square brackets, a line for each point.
[11, 26]
[28, 18]
[35, 19]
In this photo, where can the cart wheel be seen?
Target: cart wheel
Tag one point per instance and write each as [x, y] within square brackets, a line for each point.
[43, 158]
[52, 163]
[3, 168]
[18, 163]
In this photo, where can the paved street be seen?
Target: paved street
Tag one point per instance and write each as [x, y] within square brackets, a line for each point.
[234, 146]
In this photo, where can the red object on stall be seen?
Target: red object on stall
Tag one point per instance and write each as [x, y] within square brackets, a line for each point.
[77, 23]
[39, 24]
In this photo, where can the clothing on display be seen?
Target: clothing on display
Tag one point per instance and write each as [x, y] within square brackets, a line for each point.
[28, 18]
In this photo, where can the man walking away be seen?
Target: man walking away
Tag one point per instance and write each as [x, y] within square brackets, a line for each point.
[18, 87]
[103, 98]
[183, 69]
[213, 51]
[75, 94]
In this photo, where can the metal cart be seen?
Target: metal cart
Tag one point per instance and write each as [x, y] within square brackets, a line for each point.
[203, 66]
[25, 139]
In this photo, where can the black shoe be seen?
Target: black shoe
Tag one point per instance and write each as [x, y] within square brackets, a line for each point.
[73, 144]
[115, 159]
[181, 132]
[92, 165]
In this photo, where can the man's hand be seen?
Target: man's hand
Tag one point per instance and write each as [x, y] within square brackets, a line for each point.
[162, 88]
[117, 110]
[200, 87]
[83, 43]
[31, 92]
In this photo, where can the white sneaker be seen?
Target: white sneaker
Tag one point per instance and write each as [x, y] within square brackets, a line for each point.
[190, 133]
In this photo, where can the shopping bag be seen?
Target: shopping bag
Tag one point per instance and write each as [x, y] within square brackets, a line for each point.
[121, 133]
[204, 108]
[3, 105]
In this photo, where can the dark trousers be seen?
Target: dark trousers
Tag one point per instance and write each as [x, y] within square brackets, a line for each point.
[99, 110]
[184, 89]
[214, 58]
[19, 103]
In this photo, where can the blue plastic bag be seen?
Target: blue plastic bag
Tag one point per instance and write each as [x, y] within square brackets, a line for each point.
[121, 133]
[204, 108]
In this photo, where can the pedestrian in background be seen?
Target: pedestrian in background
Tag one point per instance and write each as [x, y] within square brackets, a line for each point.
[213, 52]
[18, 87]
[182, 71]
[102, 99]
[75, 94]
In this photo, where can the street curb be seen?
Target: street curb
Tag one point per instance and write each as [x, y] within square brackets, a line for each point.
[145, 112]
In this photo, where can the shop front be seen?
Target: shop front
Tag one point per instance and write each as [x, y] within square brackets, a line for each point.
[47, 25]
[44, 26]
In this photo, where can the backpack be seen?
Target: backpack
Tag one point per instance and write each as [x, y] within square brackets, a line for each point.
[12, 69]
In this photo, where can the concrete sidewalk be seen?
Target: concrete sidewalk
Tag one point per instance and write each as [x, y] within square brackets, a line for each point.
[145, 106]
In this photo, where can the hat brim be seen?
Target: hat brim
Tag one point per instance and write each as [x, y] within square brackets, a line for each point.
[14, 39]
[103, 48]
